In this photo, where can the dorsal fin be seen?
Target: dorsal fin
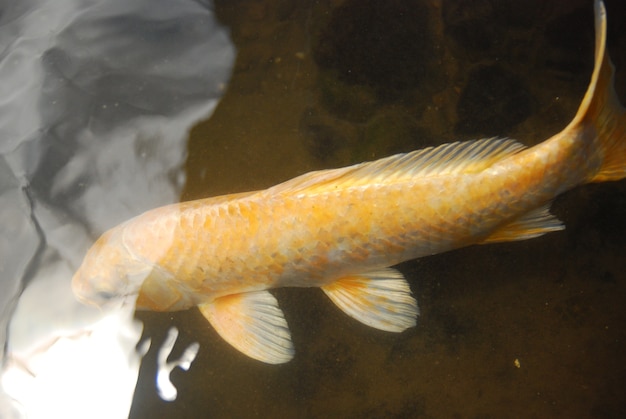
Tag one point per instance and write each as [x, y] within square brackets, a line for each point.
[446, 159]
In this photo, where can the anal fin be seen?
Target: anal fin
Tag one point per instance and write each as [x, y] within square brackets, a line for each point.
[532, 224]
[253, 323]
[380, 299]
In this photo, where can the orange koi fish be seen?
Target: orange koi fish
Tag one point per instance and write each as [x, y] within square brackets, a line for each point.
[341, 229]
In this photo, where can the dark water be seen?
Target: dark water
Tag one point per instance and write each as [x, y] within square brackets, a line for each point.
[529, 329]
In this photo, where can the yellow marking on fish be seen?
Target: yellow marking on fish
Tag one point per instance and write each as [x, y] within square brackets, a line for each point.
[341, 229]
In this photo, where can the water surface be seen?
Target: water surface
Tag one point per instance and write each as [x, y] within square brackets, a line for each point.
[118, 116]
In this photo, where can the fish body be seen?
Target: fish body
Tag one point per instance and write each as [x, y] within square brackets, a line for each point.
[341, 229]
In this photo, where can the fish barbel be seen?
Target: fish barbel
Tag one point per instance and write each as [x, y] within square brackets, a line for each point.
[342, 229]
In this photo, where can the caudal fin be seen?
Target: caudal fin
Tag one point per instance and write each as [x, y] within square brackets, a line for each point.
[602, 111]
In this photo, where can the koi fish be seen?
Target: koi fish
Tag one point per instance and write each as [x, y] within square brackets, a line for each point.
[342, 229]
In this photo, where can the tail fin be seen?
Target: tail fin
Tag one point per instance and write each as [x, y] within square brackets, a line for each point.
[601, 109]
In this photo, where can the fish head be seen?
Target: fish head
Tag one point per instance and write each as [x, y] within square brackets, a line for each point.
[109, 272]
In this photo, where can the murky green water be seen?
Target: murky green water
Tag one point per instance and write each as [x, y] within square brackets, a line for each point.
[529, 329]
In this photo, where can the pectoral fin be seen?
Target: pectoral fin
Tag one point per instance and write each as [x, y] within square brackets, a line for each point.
[533, 224]
[380, 299]
[253, 323]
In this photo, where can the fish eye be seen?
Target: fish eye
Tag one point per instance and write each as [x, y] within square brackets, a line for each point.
[105, 295]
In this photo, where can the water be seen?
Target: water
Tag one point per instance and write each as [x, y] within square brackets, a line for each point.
[532, 329]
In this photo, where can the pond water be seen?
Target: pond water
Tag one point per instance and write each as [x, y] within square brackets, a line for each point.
[111, 108]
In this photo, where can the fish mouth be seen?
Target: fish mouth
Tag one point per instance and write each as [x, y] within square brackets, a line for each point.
[79, 291]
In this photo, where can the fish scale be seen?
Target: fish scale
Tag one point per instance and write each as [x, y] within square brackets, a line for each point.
[341, 229]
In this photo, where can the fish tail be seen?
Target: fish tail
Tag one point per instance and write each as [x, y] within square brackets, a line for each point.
[602, 112]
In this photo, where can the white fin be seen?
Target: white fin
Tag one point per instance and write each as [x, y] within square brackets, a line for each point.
[380, 299]
[533, 224]
[446, 159]
[252, 323]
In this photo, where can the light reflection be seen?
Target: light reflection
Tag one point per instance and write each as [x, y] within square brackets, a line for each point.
[166, 389]
[96, 99]
[96, 365]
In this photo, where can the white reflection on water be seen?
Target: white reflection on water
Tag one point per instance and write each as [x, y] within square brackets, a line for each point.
[70, 372]
[166, 389]
[96, 99]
